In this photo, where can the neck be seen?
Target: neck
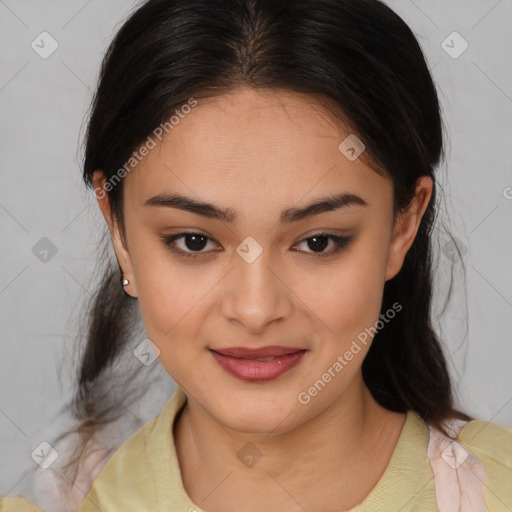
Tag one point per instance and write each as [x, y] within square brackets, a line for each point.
[338, 444]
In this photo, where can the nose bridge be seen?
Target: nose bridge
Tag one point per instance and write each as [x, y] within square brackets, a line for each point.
[256, 295]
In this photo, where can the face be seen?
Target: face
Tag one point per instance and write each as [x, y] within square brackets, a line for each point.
[253, 278]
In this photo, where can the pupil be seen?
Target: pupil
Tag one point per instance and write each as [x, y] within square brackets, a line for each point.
[194, 246]
[319, 245]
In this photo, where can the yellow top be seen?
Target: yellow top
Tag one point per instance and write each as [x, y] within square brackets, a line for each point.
[425, 473]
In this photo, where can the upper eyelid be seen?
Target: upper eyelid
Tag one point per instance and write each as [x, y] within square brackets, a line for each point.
[316, 233]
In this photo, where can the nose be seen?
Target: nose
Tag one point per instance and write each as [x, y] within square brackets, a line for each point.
[256, 294]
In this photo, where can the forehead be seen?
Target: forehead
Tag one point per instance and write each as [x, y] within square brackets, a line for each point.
[252, 146]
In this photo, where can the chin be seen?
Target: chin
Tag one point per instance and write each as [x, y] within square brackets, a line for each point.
[255, 415]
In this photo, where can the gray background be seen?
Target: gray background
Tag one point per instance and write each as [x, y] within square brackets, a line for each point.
[43, 104]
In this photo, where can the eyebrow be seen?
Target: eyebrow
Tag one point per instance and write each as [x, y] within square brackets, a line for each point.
[288, 215]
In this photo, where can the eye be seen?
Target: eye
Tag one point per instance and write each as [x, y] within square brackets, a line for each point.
[194, 243]
[319, 241]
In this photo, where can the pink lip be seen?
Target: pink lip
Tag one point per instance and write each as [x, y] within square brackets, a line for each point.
[243, 366]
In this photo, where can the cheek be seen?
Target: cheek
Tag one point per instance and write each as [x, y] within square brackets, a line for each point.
[171, 300]
[174, 306]
[171, 294]
[347, 295]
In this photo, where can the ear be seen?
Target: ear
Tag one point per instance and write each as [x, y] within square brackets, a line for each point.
[120, 249]
[406, 226]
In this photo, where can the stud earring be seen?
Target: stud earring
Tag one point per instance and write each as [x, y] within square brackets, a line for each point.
[125, 282]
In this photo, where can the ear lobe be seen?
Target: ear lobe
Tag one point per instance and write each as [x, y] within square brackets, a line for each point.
[122, 254]
[407, 225]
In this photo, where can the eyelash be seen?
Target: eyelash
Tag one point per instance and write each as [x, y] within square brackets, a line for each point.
[340, 243]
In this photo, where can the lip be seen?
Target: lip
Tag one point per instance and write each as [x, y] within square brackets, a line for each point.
[256, 353]
[240, 361]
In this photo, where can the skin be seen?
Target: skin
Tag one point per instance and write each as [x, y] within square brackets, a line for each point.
[258, 152]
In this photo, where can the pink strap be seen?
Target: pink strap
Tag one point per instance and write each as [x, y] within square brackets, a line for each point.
[459, 475]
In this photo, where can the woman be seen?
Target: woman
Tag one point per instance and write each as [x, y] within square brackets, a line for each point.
[267, 173]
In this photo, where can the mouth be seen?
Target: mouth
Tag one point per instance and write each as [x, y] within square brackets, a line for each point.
[261, 364]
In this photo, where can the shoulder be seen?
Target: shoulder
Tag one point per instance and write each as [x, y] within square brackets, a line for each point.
[140, 474]
[63, 486]
[490, 442]
[127, 470]
[17, 503]
[477, 463]
[56, 490]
